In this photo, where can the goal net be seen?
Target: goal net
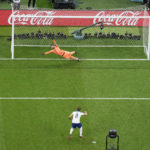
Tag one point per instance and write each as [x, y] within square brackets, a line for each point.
[88, 31]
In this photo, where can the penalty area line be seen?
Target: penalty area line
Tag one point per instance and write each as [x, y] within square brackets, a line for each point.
[70, 98]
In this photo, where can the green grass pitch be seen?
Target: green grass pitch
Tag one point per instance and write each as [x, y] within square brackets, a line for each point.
[42, 124]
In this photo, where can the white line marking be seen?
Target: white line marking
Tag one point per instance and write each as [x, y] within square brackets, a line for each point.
[67, 59]
[81, 46]
[73, 98]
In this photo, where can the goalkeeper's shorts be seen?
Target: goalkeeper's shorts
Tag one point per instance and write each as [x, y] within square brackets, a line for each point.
[67, 55]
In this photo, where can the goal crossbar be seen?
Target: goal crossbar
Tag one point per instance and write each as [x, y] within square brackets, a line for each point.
[86, 17]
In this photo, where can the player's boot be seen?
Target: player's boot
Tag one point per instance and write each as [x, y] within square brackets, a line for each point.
[69, 137]
[81, 137]
[78, 59]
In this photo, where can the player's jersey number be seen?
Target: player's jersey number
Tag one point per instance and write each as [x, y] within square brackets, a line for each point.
[76, 115]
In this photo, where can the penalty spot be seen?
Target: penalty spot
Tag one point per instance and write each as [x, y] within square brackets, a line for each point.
[94, 142]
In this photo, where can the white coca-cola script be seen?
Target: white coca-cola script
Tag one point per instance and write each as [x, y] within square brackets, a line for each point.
[22, 18]
[118, 19]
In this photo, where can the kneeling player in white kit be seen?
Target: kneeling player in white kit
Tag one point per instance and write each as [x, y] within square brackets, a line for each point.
[76, 121]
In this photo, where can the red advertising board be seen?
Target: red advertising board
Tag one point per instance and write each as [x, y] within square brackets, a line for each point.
[6, 18]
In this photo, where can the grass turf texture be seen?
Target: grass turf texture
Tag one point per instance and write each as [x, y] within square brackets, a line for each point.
[43, 124]
[73, 79]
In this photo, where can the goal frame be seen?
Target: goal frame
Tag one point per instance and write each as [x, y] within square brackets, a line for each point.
[146, 49]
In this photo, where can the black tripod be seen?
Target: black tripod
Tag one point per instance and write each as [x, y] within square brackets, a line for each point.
[33, 3]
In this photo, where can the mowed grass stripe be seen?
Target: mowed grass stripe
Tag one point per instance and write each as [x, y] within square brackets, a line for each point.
[36, 125]
[2, 129]
[73, 79]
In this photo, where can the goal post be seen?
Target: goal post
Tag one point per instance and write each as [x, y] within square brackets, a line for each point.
[146, 34]
[12, 33]
[12, 38]
[38, 29]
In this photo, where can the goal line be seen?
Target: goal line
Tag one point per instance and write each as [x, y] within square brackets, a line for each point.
[61, 59]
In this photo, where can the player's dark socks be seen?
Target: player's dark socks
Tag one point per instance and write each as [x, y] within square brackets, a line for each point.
[75, 52]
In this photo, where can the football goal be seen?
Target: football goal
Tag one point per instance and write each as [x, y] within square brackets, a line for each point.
[123, 33]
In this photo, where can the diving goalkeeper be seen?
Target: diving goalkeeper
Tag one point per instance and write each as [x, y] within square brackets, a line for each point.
[63, 53]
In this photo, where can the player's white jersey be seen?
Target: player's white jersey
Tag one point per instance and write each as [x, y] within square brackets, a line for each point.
[76, 116]
[16, 1]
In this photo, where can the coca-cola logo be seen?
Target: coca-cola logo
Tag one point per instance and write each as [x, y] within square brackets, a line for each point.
[22, 18]
[44, 18]
[118, 19]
